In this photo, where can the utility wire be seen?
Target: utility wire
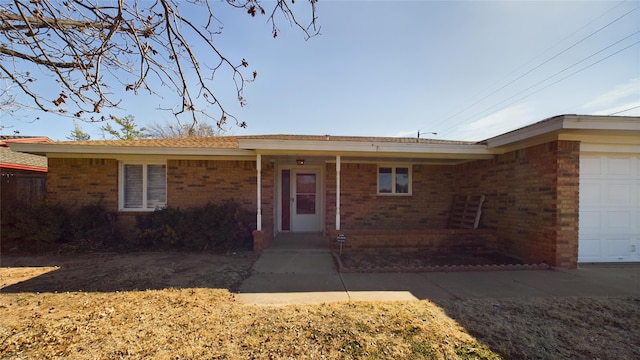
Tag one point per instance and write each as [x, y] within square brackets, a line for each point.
[542, 64]
[557, 81]
[554, 75]
[625, 110]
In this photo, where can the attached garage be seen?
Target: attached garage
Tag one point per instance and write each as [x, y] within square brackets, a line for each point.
[609, 227]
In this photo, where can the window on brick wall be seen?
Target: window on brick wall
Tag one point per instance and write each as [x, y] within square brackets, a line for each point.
[394, 180]
[143, 186]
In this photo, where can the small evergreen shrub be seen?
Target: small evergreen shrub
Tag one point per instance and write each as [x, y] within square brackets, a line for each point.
[217, 227]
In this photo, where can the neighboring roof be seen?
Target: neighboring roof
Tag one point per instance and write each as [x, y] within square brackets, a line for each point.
[4, 139]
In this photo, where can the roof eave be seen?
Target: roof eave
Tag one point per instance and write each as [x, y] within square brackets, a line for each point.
[44, 149]
[360, 148]
[558, 125]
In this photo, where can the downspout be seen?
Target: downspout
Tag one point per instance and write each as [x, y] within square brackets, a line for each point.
[337, 192]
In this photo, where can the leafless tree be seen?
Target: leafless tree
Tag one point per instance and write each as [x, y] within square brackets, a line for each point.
[177, 130]
[94, 47]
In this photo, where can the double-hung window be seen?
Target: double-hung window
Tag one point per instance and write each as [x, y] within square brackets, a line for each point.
[143, 186]
[394, 180]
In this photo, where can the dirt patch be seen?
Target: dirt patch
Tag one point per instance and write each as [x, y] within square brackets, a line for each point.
[123, 272]
[553, 328]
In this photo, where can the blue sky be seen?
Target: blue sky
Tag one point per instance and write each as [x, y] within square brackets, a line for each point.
[464, 70]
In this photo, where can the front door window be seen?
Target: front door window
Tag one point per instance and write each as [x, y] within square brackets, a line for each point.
[305, 194]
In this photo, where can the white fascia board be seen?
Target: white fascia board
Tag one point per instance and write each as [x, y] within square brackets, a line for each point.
[585, 124]
[526, 133]
[272, 147]
[608, 123]
[44, 148]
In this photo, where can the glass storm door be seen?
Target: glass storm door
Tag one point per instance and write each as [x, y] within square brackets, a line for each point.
[304, 209]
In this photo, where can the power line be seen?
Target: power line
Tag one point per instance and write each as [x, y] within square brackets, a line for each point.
[556, 74]
[543, 63]
[553, 83]
[625, 110]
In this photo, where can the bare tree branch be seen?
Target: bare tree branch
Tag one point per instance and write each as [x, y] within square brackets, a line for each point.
[91, 48]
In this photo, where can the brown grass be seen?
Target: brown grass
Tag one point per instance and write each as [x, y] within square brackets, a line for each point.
[190, 313]
[208, 323]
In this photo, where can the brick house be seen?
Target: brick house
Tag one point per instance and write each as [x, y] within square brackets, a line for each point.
[560, 191]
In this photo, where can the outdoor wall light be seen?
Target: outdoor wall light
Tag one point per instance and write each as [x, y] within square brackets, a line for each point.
[300, 161]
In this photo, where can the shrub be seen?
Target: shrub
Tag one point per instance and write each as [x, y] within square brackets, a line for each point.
[217, 227]
[42, 227]
[34, 227]
[92, 227]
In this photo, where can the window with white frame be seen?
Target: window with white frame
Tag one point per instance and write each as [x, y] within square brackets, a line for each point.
[394, 180]
[143, 186]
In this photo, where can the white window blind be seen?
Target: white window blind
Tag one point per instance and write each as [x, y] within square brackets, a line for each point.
[143, 186]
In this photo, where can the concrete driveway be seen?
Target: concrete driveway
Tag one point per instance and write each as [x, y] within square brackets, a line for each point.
[306, 276]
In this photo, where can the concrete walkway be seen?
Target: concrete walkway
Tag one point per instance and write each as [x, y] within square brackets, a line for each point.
[308, 275]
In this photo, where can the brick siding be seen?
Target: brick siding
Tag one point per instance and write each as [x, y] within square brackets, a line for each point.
[531, 200]
[190, 183]
[78, 182]
[361, 207]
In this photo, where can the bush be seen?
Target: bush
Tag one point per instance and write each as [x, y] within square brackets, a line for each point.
[92, 228]
[35, 227]
[217, 227]
[42, 227]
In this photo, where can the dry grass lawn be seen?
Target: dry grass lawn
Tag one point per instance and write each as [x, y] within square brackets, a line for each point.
[191, 313]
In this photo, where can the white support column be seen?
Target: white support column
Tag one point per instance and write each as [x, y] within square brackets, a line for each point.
[259, 214]
[338, 192]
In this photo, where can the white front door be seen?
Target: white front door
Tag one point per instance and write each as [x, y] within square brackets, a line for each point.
[305, 201]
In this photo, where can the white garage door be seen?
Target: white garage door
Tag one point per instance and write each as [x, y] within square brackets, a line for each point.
[609, 208]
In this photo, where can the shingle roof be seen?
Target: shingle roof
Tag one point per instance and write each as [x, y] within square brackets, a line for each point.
[12, 157]
[223, 142]
[231, 142]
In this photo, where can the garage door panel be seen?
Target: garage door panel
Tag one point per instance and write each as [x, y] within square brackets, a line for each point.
[609, 229]
[618, 221]
[618, 248]
[591, 166]
[589, 249]
[590, 220]
[619, 166]
[619, 193]
[590, 193]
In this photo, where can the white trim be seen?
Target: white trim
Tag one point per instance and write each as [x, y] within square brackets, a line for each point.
[121, 182]
[259, 192]
[621, 125]
[338, 192]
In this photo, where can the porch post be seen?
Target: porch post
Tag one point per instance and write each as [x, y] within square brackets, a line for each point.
[338, 192]
[259, 192]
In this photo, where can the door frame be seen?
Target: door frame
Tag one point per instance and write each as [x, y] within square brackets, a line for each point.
[320, 196]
